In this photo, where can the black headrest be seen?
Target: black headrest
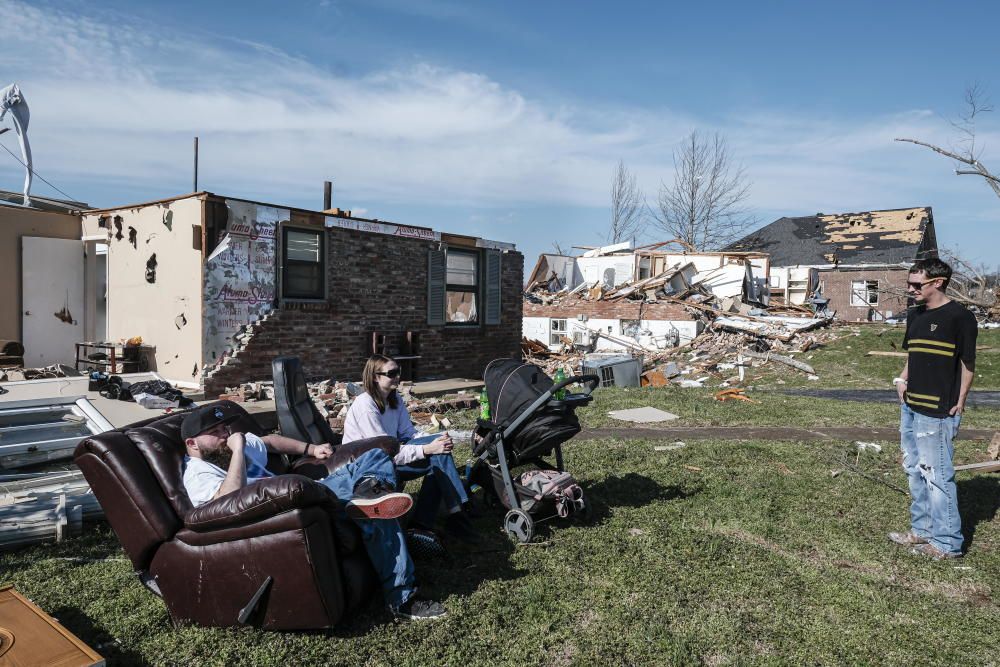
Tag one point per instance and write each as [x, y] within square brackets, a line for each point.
[297, 416]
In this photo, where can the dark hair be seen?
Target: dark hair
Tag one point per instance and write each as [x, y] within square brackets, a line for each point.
[369, 378]
[933, 268]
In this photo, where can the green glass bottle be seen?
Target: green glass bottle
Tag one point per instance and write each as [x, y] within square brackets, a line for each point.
[484, 405]
[560, 376]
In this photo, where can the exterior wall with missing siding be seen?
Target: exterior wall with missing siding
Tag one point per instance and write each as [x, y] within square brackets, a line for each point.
[167, 311]
[240, 274]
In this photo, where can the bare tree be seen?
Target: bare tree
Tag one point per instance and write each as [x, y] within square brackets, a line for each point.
[627, 206]
[967, 152]
[706, 207]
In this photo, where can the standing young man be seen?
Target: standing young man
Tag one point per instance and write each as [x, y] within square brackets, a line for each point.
[941, 342]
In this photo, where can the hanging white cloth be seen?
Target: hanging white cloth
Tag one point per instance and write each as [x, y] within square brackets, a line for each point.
[12, 100]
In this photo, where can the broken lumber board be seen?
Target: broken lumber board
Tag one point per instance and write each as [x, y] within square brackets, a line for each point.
[885, 353]
[985, 466]
[45, 520]
[788, 361]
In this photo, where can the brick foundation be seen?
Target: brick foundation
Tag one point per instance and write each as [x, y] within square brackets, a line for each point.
[376, 283]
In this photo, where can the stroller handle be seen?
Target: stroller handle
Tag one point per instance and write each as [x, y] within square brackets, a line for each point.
[591, 382]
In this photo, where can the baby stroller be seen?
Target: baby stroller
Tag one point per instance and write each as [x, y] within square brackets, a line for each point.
[528, 423]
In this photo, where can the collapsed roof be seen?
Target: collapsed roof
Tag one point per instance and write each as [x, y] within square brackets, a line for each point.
[870, 237]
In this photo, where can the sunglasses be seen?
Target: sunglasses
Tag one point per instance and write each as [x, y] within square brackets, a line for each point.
[394, 373]
[918, 285]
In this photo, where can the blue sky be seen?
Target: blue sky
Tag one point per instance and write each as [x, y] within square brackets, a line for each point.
[506, 120]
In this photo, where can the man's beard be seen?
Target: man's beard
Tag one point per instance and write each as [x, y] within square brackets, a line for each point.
[220, 457]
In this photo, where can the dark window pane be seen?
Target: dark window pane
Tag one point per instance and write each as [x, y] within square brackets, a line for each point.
[303, 280]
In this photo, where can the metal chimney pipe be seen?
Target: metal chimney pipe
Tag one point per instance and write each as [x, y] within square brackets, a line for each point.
[327, 195]
[195, 165]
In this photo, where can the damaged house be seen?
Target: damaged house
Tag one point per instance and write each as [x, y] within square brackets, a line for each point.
[621, 298]
[218, 287]
[857, 261]
[47, 278]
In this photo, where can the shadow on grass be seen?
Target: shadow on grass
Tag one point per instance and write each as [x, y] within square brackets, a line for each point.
[96, 637]
[979, 501]
[629, 490]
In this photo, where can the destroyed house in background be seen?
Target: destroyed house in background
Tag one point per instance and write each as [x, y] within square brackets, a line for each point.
[620, 298]
[857, 261]
[220, 286]
[47, 278]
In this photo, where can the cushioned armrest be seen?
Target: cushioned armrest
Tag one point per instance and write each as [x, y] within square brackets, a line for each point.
[260, 500]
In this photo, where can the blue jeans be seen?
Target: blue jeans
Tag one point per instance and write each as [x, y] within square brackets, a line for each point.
[442, 484]
[383, 539]
[928, 448]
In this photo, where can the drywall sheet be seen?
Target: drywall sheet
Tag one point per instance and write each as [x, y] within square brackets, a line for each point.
[52, 298]
[240, 276]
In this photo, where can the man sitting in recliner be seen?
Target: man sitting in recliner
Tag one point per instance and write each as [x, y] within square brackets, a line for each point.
[219, 462]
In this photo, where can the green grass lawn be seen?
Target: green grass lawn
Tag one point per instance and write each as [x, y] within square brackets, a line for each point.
[721, 552]
[842, 363]
[717, 553]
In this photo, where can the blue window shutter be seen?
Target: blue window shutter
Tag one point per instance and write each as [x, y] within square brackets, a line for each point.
[436, 274]
[492, 287]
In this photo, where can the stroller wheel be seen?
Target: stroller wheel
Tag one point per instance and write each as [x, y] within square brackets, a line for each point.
[519, 526]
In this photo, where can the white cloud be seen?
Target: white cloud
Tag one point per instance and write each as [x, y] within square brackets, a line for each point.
[114, 100]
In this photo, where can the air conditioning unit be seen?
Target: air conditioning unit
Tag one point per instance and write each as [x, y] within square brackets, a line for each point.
[614, 371]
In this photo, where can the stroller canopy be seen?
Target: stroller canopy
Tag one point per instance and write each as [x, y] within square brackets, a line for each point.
[512, 386]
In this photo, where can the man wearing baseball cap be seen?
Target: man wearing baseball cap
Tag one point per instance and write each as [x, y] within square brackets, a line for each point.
[220, 461]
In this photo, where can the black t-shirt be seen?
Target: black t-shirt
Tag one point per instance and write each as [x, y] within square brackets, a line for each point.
[936, 340]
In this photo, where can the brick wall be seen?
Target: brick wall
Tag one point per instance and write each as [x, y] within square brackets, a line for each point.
[837, 288]
[622, 310]
[376, 283]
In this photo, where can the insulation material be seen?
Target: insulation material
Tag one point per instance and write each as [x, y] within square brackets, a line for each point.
[239, 276]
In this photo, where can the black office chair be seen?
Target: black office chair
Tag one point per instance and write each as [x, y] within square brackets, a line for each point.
[298, 418]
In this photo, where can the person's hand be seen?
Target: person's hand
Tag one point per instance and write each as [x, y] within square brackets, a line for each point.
[235, 442]
[901, 390]
[957, 410]
[439, 445]
[323, 451]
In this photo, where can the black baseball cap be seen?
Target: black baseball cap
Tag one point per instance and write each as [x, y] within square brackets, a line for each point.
[206, 417]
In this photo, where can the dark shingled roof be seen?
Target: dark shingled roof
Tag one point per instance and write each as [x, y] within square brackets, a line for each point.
[871, 237]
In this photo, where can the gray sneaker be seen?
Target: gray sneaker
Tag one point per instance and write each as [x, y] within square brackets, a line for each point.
[907, 539]
[933, 552]
[416, 609]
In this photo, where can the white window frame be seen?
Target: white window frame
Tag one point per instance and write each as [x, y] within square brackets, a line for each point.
[864, 293]
[558, 327]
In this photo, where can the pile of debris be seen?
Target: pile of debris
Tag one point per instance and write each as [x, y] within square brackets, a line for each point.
[333, 399]
[736, 336]
[44, 507]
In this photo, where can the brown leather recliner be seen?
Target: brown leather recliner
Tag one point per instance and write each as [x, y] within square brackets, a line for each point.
[274, 554]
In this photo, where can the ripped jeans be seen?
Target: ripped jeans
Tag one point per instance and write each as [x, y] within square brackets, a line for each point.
[928, 448]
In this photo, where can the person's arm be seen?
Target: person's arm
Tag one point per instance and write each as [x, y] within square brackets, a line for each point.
[968, 332]
[285, 445]
[968, 374]
[236, 476]
[904, 375]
